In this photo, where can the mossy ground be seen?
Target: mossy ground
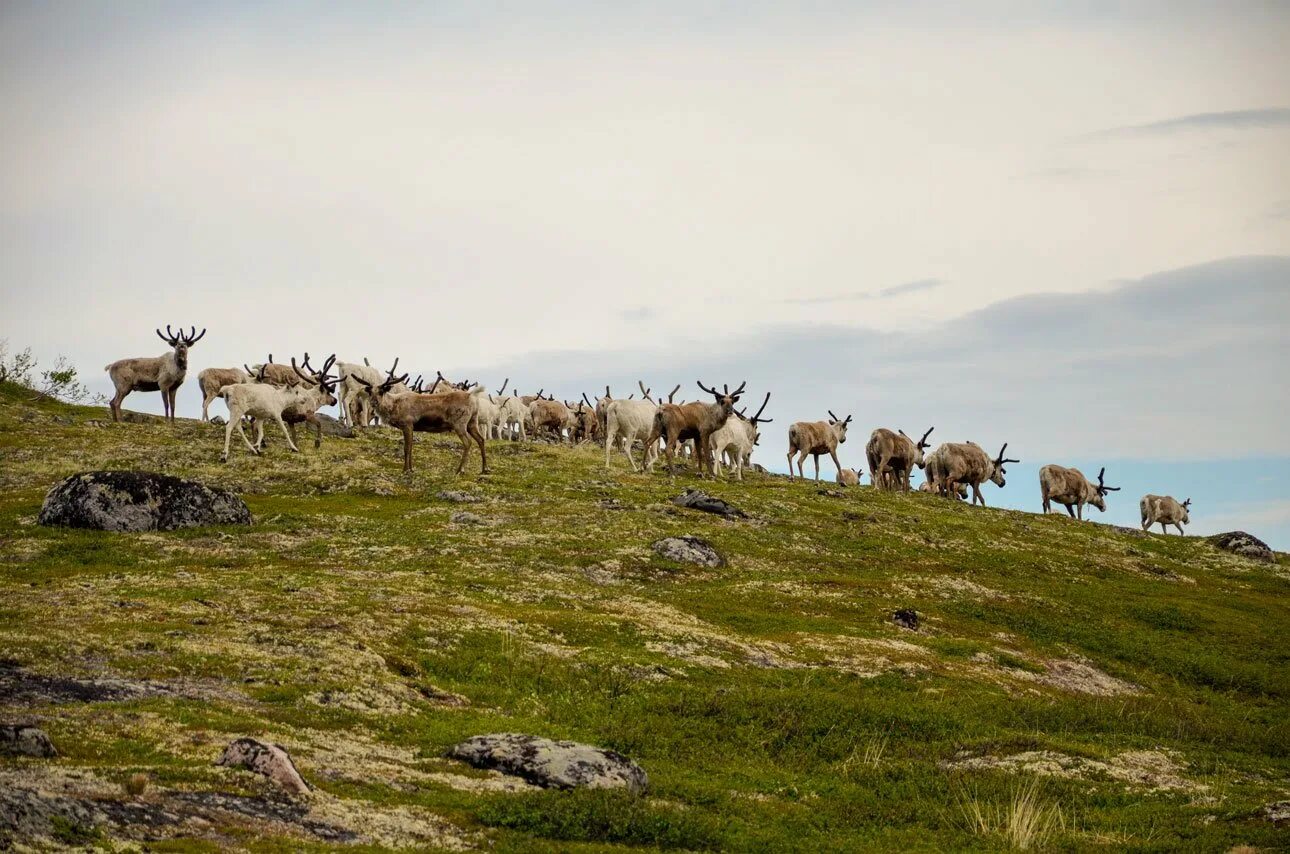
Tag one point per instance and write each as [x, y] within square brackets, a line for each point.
[773, 702]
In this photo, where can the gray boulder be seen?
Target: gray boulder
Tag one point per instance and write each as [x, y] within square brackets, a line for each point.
[19, 740]
[689, 550]
[269, 760]
[333, 427]
[139, 501]
[552, 764]
[1245, 545]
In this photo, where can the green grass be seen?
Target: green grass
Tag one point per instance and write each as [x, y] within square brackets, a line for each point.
[773, 702]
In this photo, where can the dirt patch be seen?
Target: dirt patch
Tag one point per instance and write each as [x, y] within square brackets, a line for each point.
[1080, 676]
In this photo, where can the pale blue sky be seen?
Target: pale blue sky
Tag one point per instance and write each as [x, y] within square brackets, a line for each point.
[1067, 225]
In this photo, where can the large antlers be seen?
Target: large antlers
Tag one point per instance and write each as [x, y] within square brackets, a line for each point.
[923, 443]
[1000, 460]
[725, 392]
[845, 421]
[757, 419]
[175, 340]
[1102, 488]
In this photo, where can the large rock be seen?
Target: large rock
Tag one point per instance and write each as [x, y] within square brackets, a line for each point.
[334, 428]
[552, 764]
[689, 550]
[18, 740]
[269, 760]
[1245, 545]
[139, 501]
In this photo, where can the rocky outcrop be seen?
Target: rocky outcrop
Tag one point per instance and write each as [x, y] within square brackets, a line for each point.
[1245, 545]
[139, 501]
[552, 764]
[696, 499]
[269, 760]
[689, 550]
[19, 740]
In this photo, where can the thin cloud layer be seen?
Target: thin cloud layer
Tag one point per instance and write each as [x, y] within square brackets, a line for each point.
[885, 293]
[1271, 117]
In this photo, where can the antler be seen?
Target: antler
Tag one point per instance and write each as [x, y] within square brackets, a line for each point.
[192, 337]
[644, 391]
[922, 443]
[1186, 504]
[301, 373]
[832, 416]
[757, 419]
[164, 338]
[503, 388]
[390, 374]
[1101, 485]
[608, 396]
[711, 391]
[438, 380]
[584, 397]
[1000, 460]
[673, 392]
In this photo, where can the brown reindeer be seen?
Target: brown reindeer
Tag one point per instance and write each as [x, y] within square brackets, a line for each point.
[816, 438]
[453, 411]
[306, 410]
[211, 380]
[1069, 487]
[892, 457]
[955, 464]
[156, 373]
[675, 423]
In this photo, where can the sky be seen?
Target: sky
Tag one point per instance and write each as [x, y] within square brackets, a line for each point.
[1065, 226]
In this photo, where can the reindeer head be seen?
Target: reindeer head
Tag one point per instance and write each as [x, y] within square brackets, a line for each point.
[997, 476]
[726, 399]
[1099, 495]
[919, 447]
[326, 384]
[390, 381]
[1186, 516]
[181, 342]
[839, 426]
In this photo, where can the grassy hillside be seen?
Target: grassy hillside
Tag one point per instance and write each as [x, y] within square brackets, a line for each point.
[1117, 690]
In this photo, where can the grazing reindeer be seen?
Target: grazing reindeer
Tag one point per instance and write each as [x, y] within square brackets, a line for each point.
[956, 464]
[676, 423]
[306, 410]
[736, 438]
[266, 401]
[211, 380]
[157, 373]
[1165, 510]
[892, 457]
[453, 411]
[553, 416]
[849, 477]
[1071, 489]
[816, 438]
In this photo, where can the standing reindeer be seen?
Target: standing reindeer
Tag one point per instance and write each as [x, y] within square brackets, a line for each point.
[892, 457]
[1165, 510]
[1069, 487]
[453, 411]
[157, 373]
[676, 423]
[955, 464]
[816, 438]
[736, 438]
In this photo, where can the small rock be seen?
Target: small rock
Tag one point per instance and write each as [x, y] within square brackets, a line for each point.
[689, 550]
[696, 499]
[906, 618]
[218, 420]
[831, 493]
[19, 740]
[1243, 544]
[461, 517]
[611, 504]
[139, 501]
[269, 760]
[458, 497]
[552, 764]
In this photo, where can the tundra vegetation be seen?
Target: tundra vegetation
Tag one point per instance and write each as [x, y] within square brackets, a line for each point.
[1070, 687]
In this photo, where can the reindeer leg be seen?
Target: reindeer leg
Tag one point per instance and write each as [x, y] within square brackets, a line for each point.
[242, 432]
[833, 453]
[815, 458]
[473, 429]
[313, 419]
[407, 448]
[228, 435]
[790, 462]
[290, 441]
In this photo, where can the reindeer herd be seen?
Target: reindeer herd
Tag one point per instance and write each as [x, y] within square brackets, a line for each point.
[712, 433]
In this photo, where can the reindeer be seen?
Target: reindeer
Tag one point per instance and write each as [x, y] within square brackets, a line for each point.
[306, 411]
[266, 401]
[957, 464]
[892, 457]
[849, 477]
[675, 423]
[157, 373]
[211, 380]
[1069, 487]
[736, 439]
[1165, 510]
[816, 438]
[553, 416]
[354, 405]
[274, 374]
[455, 411]
[627, 420]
